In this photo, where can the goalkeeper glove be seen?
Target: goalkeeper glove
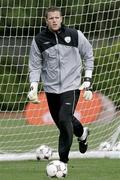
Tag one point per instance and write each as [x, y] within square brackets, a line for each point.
[87, 87]
[32, 95]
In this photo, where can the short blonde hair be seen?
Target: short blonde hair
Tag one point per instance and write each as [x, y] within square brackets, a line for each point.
[52, 9]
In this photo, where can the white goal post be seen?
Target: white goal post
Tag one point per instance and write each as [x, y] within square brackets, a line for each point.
[24, 126]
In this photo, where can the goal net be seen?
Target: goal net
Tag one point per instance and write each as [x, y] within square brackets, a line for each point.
[25, 126]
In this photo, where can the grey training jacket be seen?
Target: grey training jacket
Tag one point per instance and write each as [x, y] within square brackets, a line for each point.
[56, 58]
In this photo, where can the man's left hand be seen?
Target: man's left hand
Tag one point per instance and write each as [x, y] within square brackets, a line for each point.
[87, 93]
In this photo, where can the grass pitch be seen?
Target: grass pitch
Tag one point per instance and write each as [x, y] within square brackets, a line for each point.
[78, 169]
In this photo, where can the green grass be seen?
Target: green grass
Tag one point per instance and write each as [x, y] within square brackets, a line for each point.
[18, 136]
[78, 169]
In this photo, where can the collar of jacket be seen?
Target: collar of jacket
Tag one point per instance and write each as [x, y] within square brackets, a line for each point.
[62, 29]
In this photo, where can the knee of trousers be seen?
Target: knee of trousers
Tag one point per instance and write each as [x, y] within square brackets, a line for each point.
[64, 114]
[65, 120]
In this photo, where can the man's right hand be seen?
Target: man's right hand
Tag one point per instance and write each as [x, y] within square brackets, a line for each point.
[32, 95]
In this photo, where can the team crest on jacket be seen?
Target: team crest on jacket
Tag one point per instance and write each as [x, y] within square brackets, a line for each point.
[67, 39]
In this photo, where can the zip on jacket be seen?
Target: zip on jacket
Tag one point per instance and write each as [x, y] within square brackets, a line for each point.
[59, 62]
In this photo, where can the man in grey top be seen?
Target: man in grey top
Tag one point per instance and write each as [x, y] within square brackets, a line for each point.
[56, 57]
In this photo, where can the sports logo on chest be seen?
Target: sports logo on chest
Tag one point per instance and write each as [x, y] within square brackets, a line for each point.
[67, 39]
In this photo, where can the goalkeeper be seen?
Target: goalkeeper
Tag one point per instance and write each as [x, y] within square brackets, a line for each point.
[56, 57]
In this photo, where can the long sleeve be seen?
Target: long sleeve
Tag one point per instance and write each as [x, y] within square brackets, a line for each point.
[86, 51]
[35, 63]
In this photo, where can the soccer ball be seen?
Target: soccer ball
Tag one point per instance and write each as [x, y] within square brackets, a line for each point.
[56, 169]
[43, 152]
[104, 146]
[116, 147]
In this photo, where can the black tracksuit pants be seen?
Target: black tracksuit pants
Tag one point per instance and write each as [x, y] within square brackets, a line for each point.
[62, 107]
